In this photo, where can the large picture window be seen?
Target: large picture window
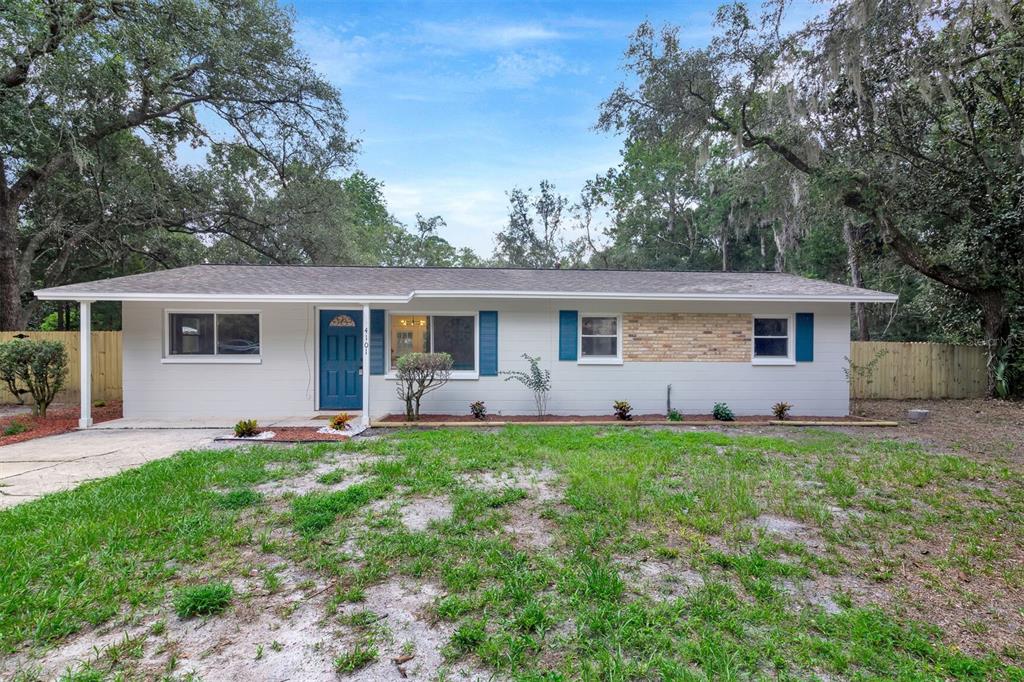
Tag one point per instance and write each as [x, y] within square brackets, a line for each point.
[599, 338]
[771, 338]
[213, 334]
[452, 334]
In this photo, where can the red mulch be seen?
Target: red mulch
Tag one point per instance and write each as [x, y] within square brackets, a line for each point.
[297, 434]
[602, 419]
[59, 419]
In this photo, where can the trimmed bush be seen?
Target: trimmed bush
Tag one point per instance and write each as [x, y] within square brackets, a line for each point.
[419, 374]
[722, 413]
[40, 366]
[478, 409]
[675, 415]
[202, 600]
[623, 410]
[246, 428]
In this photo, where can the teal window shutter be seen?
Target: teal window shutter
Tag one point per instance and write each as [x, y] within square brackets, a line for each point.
[804, 337]
[488, 343]
[377, 341]
[568, 322]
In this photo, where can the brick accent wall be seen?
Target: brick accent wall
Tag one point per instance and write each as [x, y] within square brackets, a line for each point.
[686, 337]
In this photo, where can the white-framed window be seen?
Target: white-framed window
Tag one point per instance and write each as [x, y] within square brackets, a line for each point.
[773, 340]
[452, 333]
[600, 339]
[212, 336]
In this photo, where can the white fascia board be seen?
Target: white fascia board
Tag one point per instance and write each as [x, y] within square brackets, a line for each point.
[51, 295]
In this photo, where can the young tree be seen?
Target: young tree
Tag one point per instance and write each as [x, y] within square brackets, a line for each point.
[909, 114]
[419, 374]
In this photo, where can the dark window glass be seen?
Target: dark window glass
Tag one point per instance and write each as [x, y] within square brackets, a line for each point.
[770, 347]
[771, 326]
[191, 333]
[456, 336]
[238, 334]
[600, 346]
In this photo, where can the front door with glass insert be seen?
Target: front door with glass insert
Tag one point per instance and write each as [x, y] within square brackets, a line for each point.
[341, 359]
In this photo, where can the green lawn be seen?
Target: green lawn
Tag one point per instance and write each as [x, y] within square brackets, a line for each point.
[665, 554]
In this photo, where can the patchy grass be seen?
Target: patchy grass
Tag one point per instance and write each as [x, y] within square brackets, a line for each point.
[202, 600]
[676, 555]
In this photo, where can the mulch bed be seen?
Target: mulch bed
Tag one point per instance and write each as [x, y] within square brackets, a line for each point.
[604, 419]
[294, 434]
[59, 419]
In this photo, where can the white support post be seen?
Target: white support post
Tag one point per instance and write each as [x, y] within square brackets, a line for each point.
[365, 418]
[85, 363]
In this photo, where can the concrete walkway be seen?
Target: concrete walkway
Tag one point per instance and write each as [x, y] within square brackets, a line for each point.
[45, 465]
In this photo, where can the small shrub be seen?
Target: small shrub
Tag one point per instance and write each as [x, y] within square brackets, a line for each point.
[478, 409]
[237, 499]
[781, 410]
[722, 413]
[202, 600]
[537, 380]
[14, 428]
[675, 415]
[623, 410]
[246, 428]
[339, 422]
[99, 403]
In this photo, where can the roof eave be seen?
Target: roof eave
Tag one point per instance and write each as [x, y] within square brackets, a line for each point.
[56, 294]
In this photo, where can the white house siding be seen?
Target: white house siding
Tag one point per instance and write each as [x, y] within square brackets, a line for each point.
[817, 388]
[284, 383]
[281, 385]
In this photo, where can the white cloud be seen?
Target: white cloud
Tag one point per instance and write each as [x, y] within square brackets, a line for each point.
[461, 36]
[519, 70]
[342, 59]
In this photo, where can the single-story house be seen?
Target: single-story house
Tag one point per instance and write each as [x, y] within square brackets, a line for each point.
[251, 341]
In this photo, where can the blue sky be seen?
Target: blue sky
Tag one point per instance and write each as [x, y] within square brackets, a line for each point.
[456, 103]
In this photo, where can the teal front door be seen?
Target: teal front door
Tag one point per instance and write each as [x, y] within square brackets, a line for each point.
[341, 360]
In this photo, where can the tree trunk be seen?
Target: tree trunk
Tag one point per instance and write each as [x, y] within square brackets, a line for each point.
[853, 258]
[996, 323]
[10, 286]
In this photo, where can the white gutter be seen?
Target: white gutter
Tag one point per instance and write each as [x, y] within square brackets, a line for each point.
[57, 295]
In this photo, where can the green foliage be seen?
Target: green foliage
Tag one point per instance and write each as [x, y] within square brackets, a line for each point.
[239, 499]
[360, 656]
[536, 379]
[674, 415]
[246, 428]
[14, 428]
[314, 512]
[535, 234]
[722, 413]
[781, 410]
[202, 600]
[478, 409]
[419, 374]
[339, 422]
[623, 410]
[40, 366]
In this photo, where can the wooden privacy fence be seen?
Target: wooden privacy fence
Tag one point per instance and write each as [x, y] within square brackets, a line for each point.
[106, 364]
[918, 370]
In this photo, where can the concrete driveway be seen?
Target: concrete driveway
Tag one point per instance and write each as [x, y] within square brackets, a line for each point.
[45, 465]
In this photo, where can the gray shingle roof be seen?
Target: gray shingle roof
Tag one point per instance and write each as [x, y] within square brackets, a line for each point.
[352, 283]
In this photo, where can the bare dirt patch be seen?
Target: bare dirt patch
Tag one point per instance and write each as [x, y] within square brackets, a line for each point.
[659, 579]
[991, 428]
[528, 522]
[419, 512]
